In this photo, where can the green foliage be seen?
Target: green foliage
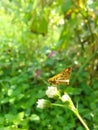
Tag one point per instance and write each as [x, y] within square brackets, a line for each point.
[37, 40]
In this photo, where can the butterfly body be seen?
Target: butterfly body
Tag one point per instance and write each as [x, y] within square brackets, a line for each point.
[62, 77]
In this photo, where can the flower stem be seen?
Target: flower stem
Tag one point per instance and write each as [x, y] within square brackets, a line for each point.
[76, 113]
[54, 104]
[80, 118]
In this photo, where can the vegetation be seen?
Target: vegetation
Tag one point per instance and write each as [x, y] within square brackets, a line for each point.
[38, 39]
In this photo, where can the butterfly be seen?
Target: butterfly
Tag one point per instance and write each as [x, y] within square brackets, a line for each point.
[61, 78]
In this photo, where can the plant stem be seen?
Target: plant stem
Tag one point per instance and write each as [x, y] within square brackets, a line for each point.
[80, 118]
[75, 112]
[54, 104]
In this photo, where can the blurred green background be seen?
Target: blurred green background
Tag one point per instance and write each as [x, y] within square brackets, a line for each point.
[38, 39]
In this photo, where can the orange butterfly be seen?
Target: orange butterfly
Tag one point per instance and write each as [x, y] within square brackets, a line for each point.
[61, 78]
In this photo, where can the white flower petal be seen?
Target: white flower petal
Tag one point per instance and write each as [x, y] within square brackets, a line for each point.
[40, 103]
[65, 98]
[52, 92]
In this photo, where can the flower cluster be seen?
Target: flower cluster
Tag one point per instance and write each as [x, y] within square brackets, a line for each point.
[52, 92]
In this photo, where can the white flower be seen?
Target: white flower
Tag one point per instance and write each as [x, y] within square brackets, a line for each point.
[65, 98]
[52, 92]
[76, 62]
[42, 103]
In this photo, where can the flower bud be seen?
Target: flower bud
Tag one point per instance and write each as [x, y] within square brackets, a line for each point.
[65, 98]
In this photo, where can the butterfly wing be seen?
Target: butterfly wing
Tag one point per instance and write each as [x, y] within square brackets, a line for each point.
[61, 78]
